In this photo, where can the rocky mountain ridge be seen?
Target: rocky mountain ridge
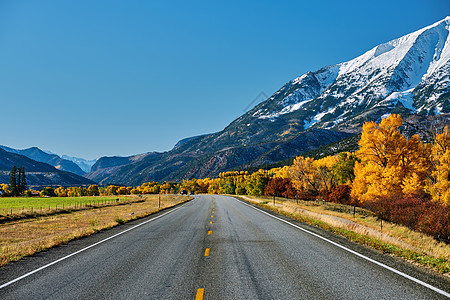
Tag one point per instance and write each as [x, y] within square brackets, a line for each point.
[409, 75]
[38, 174]
[54, 160]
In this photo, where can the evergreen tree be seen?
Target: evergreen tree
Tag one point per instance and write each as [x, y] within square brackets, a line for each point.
[23, 181]
[13, 181]
[17, 181]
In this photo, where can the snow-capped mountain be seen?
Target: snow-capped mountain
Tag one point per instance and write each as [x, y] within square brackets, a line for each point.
[84, 164]
[406, 75]
[409, 75]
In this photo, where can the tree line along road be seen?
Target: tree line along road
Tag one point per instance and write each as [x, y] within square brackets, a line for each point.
[216, 247]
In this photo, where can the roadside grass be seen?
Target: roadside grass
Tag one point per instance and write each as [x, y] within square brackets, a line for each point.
[26, 208]
[25, 237]
[364, 228]
[44, 205]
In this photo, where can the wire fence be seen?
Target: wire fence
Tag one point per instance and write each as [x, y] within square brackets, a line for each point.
[8, 213]
[343, 208]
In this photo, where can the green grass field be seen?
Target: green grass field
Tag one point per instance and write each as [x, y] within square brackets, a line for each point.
[26, 204]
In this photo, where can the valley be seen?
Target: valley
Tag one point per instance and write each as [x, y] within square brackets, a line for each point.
[407, 76]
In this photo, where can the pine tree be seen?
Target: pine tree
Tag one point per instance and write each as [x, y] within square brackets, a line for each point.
[13, 181]
[23, 181]
[18, 180]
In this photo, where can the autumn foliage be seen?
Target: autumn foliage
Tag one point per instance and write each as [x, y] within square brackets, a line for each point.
[402, 180]
[340, 194]
[389, 162]
[417, 212]
[280, 187]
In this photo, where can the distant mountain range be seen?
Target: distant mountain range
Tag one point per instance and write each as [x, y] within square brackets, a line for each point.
[48, 158]
[38, 174]
[409, 75]
[106, 166]
[84, 164]
[207, 156]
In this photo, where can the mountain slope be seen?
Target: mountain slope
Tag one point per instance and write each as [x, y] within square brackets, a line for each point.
[38, 174]
[105, 166]
[54, 160]
[409, 76]
[195, 160]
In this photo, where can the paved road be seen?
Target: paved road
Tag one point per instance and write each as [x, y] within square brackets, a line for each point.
[218, 247]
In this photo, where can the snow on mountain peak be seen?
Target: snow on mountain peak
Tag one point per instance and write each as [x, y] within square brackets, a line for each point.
[399, 72]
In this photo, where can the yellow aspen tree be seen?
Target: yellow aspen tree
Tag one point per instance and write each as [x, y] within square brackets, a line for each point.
[214, 186]
[61, 192]
[303, 174]
[4, 187]
[282, 172]
[165, 188]
[415, 166]
[388, 161]
[324, 171]
[70, 192]
[438, 184]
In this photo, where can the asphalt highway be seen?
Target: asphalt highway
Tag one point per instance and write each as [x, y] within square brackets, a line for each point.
[216, 247]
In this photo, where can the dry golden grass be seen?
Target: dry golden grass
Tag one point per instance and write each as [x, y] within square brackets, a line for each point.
[26, 237]
[393, 234]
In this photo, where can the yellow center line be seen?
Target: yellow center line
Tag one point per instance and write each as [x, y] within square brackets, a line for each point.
[212, 216]
[209, 232]
[199, 295]
[210, 222]
[207, 252]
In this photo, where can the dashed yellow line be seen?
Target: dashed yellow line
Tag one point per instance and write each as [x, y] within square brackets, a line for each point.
[200, 293]
[210, 222]
[207, 252]
[209, 232]
[212, 216]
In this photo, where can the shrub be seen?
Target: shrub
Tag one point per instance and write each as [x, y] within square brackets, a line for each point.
[436, 221]
[48, 191]
[339, 194]
[119, 221]
[407, 211]
[307, 195]
[418, 212]
[280, 187]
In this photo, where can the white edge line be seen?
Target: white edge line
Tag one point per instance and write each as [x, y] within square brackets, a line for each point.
[356, 253]
[84, 249]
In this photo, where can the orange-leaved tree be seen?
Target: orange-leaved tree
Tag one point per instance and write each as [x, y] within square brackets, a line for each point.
[389, 163]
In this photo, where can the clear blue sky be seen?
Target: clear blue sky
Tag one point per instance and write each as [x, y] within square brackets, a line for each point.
[95, 78]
